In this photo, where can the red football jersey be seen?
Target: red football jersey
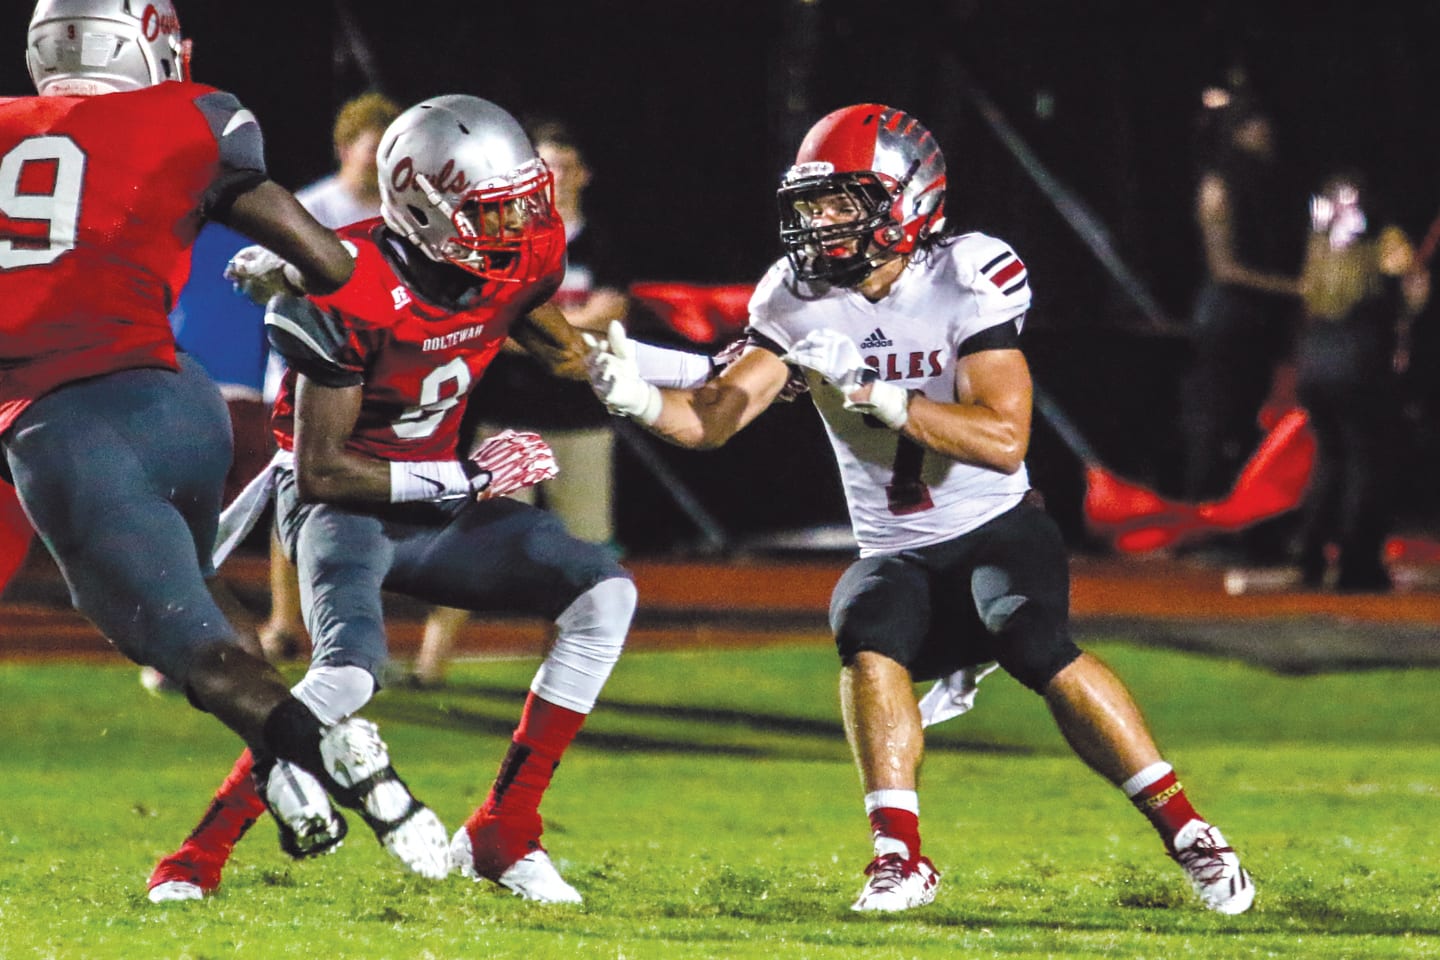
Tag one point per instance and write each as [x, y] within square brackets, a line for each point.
[418, 360]
[99, 203]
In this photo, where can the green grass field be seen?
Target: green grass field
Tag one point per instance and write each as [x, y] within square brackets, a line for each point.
[710, 810]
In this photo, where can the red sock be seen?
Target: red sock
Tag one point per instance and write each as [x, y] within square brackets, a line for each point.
[897, 824]
[540, 740]
[235, 807]
[1165, 804]
[507, 826]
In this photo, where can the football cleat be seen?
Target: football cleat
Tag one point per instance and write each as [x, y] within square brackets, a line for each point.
[309, 826]
[895, 883]
[186, 874]
[358, 762]
[1213, 868]
[532, 877]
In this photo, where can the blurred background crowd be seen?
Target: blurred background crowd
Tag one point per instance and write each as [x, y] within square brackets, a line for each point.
[1079, 133]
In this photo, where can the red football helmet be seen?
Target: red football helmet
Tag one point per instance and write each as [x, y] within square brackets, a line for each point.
[888, 166]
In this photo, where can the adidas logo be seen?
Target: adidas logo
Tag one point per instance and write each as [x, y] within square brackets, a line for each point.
[876, 340]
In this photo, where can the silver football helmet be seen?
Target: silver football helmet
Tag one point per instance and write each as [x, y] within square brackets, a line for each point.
[889, 169]
[460, 180]
[81, 47]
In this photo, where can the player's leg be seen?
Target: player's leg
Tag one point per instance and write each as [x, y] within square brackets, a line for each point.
[879, 612]
[504, 556]
[194, 870]
[343, 557]
[1021, 591]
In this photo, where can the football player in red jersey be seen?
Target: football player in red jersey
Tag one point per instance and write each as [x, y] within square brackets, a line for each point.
[910, 337]
[117, 447]
[372, 490]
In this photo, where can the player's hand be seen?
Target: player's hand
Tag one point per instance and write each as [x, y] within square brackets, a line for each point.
[261, 274]
[509, 461]
[615, 376]
[834, 356]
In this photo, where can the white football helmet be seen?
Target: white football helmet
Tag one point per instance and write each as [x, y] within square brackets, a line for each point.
[890, 168]
[82, 47]
[460, 180]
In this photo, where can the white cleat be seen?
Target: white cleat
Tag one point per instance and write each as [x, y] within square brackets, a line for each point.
[1213, 868]
[308, 825]
[357, 759]
[532, 877]
[897, 884]
[173, 890]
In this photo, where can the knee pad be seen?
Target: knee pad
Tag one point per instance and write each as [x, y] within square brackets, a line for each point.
[334, 693]
[1029, 644]
[591, 635]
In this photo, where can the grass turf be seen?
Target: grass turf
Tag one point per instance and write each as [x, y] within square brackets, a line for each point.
[710, 810]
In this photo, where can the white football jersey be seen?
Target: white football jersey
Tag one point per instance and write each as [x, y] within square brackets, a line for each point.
[900, 494]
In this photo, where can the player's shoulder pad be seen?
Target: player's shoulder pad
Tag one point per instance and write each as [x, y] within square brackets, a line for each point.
[777, 296]
[993, 271]
[312, 340]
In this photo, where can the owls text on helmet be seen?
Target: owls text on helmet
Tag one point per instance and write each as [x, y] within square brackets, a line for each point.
[887, 167]
[83, 47]
[461, 181]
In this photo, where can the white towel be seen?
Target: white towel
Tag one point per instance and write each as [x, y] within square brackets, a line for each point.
[242, 513]
[953, 695]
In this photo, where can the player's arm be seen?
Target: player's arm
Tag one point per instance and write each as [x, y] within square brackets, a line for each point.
[702, 417]
[988, 422]
[243, 197]
[271, 216]
[547, 336]
[988, 425]
[325, 471]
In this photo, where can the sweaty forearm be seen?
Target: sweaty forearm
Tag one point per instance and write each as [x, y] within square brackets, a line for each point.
[968, 433]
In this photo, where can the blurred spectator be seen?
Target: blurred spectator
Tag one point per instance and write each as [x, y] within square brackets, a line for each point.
[518, 392]
[1252, 229]
[350, 194]
[1362, 286]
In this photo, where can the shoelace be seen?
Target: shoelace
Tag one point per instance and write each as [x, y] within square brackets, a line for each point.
[886, 873]
[1203, 859]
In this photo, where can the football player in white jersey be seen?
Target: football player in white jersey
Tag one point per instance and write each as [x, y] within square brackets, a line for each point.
[909, 335]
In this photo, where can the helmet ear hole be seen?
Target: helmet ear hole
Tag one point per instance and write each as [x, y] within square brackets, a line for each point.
[421, 217]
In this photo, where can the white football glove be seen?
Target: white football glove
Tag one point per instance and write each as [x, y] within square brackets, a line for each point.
[835, 357]
[261, 274]
[512, 460]
[615, 376]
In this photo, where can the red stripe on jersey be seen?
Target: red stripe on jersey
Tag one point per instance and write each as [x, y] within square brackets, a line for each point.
[1007, 273]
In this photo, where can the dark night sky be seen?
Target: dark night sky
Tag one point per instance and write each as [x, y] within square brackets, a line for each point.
[690, 111]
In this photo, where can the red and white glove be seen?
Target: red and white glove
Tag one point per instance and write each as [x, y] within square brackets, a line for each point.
[509, 461]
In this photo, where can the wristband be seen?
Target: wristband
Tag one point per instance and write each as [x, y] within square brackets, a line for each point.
[417, 480]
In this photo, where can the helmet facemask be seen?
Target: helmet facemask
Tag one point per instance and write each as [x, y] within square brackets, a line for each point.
[502, 231]
[843, 253]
